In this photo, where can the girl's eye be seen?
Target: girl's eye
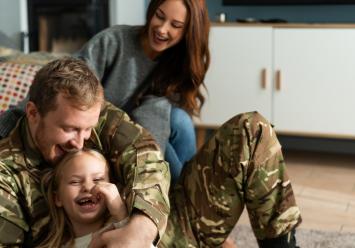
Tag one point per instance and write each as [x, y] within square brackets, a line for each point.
[75, 182]
[97, 180]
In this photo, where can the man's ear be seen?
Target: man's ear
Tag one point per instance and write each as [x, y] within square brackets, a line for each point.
[57, 200]
[32, 113]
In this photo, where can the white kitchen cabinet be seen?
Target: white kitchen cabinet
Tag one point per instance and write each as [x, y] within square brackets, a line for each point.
[310, 78]
[317, 81]
[240, 58]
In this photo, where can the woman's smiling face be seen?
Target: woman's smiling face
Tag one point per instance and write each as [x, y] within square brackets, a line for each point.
[167, 26]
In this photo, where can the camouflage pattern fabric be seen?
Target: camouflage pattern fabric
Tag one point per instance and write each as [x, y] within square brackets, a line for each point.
[241, 165]
[137, 163]
[135, 159]
[23, 210]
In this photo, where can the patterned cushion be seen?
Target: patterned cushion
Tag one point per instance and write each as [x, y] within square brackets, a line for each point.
[15, 80]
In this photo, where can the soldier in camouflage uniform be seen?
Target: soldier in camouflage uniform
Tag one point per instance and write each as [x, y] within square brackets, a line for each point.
[65, 103]
[242, 165]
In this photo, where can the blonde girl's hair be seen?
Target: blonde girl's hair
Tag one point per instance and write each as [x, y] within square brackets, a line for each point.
[60, 229]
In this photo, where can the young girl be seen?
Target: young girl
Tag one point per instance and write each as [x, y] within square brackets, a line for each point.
[81, 200]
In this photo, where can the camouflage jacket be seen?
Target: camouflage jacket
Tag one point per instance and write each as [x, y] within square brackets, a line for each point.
[134, 158]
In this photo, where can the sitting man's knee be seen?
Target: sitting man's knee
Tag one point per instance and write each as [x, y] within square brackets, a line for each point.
[253, 122]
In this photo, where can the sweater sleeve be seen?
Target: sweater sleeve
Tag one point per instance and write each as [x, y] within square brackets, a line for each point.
[100, 51]
[138, 164]
[154, 115]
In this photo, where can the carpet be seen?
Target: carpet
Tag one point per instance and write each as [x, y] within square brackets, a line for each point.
[244, 238]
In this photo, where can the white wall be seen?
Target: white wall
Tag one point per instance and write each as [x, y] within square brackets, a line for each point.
[13, 19]
[9, 19]
[130, 12]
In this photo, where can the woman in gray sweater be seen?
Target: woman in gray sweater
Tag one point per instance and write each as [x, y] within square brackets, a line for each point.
[155, 72]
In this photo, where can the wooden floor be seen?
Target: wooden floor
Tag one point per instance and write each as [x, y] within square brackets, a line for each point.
[324, 185]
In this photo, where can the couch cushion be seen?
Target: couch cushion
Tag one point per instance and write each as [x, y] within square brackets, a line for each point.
[33, 58]
[7, 52]
[15, 80]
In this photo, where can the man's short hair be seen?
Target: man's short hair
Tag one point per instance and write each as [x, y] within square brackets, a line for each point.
[71, 78]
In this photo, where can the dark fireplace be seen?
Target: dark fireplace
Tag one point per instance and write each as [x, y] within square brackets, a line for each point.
[64, 25]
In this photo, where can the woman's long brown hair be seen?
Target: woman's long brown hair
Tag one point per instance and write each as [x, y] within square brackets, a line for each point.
[182, 68]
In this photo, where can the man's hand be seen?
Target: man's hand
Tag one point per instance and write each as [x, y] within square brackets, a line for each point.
[139, 232]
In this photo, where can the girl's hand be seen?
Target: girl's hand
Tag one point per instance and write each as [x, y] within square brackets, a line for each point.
[112, 198]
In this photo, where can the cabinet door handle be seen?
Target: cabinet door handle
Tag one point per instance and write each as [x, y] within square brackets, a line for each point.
[263, 78]
[278, 80]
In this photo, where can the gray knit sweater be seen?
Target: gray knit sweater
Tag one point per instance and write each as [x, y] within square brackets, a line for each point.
[118, 59]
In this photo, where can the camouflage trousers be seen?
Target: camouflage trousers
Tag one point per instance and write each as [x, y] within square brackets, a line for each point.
[240, 166]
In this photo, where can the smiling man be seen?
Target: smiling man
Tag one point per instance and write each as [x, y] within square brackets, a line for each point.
[62, 125]
[66, 109]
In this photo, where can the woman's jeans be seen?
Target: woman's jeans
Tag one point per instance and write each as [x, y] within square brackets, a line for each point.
[182, 142]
